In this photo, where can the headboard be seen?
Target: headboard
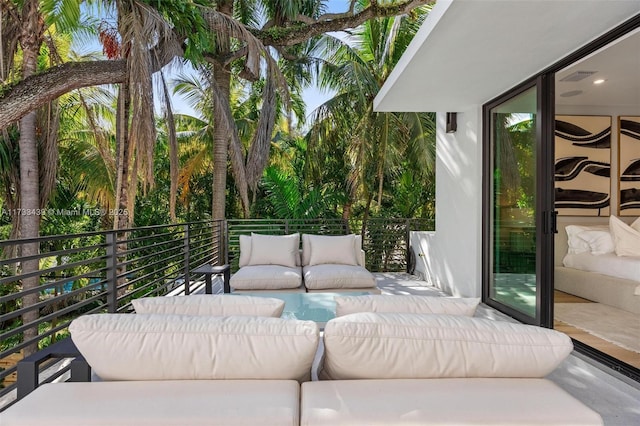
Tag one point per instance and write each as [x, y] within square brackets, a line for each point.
[560, 245]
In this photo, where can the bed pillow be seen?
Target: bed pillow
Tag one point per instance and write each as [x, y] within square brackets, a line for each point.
[599, 241]
[274, 250]
[346, 305]
[626, 238]
[332, 250]
[576, 244]
[210, 305]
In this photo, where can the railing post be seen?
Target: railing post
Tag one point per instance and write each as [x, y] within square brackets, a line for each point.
[187, 259]
[407, 256]
[225, 247]
[286, 226]
[112, 272]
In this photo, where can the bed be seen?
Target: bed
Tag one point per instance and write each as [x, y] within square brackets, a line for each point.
[591, 276]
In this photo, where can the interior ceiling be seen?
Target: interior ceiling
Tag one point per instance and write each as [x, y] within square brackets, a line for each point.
[618, 64]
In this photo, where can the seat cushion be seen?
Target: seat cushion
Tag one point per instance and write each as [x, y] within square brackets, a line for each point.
[181, 347]
[406, 303]
[396, 346]
[266, 277]
[212, 305]
[320, 277]
[442, 402]
[159, 403]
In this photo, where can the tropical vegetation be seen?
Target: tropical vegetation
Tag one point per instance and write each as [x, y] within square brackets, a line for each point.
[91, 140]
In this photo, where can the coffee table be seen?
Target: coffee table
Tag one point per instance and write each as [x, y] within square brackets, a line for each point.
[317, 307]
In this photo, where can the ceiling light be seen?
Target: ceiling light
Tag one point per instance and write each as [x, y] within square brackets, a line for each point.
[599, 81]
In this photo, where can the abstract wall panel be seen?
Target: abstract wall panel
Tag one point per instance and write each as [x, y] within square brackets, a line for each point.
[583, 165]
[629, 166]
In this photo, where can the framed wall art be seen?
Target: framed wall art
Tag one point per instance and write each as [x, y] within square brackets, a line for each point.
[583, 165]
[629, 166]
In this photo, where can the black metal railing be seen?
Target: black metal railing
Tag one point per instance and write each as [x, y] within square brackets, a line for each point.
[94, 272]
[104, 271]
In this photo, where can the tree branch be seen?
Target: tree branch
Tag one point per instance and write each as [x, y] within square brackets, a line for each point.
[307, 28]
[39, 89]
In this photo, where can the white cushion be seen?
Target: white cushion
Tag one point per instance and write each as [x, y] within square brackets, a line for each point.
[332, 250]
[320, 277]
[579, 245]
[245, 250]
[161, 403]
[266, 277]
[599, 241]
[442, 402]
[626, 238]
[274, 250]
[408, 304]
[306, 249]
[207, 304]
[394, 346]
[181, 347]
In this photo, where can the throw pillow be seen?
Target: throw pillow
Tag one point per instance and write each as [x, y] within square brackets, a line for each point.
[274, 249]
[600, 241]
[576, 244]
[626, 238]
[332, 250]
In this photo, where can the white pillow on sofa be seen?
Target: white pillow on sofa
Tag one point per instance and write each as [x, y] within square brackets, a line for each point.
[576, 244]
[211, 305]
[346, 305]
[418, 346]
[600, 241]
[183, 347]
[626, 238]
[274, 250]
[331, 249]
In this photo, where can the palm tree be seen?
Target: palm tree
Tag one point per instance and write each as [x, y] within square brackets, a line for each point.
[373, 147]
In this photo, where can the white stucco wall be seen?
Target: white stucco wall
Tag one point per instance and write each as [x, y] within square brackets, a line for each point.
[452, 256]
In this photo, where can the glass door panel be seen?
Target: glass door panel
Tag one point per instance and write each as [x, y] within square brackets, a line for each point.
[512, 276]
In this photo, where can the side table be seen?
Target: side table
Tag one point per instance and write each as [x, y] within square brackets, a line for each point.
[209, 271]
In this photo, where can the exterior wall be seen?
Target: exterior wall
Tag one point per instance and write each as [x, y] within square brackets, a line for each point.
[452, 256]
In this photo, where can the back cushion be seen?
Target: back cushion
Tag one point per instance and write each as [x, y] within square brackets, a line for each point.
[403, 346]
[274, 250]
[330, 249]
[406, 304]
[212, 305]
[181, 347]
[245, 250]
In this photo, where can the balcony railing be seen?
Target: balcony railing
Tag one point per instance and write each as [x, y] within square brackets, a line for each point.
[104, 271]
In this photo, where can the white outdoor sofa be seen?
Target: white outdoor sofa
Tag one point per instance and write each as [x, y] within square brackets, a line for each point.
[166, 369]
[325, 263]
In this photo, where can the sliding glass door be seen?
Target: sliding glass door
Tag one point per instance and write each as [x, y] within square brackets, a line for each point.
[518, 206]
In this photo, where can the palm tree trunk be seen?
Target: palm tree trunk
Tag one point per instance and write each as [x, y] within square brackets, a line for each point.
[220, 146]
[31, 38]
[222, 78]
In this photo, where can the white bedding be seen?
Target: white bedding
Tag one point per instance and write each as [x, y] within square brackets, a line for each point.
[625, 267]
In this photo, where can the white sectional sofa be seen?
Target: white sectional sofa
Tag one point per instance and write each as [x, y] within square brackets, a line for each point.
[378, 368]
[325, 263]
